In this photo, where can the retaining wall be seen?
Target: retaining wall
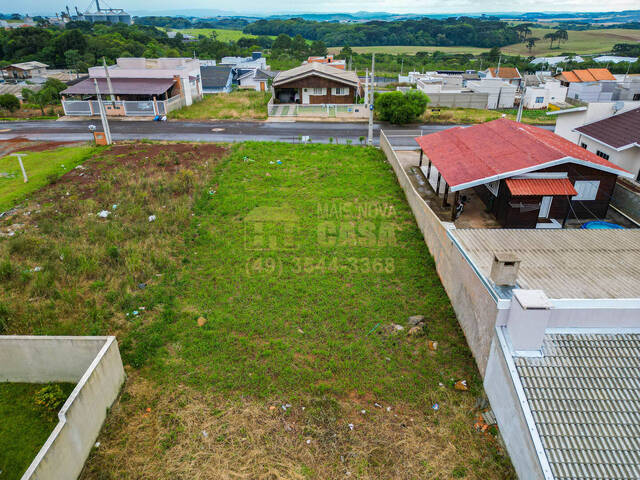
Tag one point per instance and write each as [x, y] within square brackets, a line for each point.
[94, 364]
[474, 305]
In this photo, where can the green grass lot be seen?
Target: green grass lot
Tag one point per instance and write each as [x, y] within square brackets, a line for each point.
[222, 34]
[410, 50]
[41, 168]
[24, 427]
[296, 259]
[240, 105]
[472, 115]
[581, 42]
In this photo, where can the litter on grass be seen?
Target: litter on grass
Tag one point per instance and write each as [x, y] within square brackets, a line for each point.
[104, 213]
[152, 218]
[461, 385]
[435, 406]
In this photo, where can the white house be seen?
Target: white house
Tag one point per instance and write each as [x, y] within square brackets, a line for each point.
[510, 75]
[542, 95]
[256, 80]
[589, 85]
[186, 69]
[616, 138]
[501, 94]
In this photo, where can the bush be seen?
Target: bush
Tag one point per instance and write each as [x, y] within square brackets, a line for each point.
[9, 102]
[400, 108]
[50, 398]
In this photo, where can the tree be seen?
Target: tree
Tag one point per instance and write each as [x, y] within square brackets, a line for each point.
[531, 42]
[72, 58]
[346, 52]
[50, 93]
[299, 46]
[318, 48]
[401, 108]
[494, 54]
[551, 36]
[9, 102]
[562, 35]
[282, 42]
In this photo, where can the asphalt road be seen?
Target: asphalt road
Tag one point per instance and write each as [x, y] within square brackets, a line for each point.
[222, 131]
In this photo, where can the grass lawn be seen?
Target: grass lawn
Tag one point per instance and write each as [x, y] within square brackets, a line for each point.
[410, 50]
[24, 427]
[222, 34]
[472, 115]
[253, 315]
[581, 42]
[41, 168]
[238, 105]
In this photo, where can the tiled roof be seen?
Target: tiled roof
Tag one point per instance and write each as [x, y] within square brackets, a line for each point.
[215, 77]
[505, 72]
[584, 394]
[317, 69]
[540, 186]
[468, 156]
[617, 131]
[587, 75]
[567, 263]
[122, 86]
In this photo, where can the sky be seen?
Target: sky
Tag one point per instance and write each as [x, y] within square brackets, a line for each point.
[35, 7]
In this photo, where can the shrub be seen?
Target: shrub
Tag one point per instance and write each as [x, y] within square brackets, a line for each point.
[50, 398]
[9, 102]
[400, 108]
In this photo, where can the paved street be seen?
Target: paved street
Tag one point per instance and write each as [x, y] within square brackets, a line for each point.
[222, 131]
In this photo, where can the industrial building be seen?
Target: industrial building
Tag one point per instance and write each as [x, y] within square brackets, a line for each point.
[106, 15]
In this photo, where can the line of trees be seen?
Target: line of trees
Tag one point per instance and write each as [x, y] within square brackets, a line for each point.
[461, 31]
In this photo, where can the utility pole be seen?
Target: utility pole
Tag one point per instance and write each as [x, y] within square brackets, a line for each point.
[371, 99]
[103, 115]
[498, 69]
[402, 66]
[106, 71]
[519, 115]
[24, 173]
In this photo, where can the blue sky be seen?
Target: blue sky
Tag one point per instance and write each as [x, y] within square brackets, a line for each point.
[282, 6]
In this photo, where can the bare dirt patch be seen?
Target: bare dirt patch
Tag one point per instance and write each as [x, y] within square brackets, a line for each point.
[21, 144]
[152, 433]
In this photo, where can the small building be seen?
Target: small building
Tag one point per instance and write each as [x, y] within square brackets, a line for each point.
[541, 95]
[589, 85]
[24, 70]
[527, 177]
[452, 97]
[501, 94]
[316, 84]
[216, 79]
[258, 80]
[328, 60]
[510, 75]
[616, 139]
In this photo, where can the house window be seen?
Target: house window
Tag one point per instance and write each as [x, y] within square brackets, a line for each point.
[602, 154]
[587, 189]
[341, 91]
[317, 91]
[636, 97]
[584, 145]
[539, 99]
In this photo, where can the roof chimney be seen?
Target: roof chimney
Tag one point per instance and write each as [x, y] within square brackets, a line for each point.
[504, 269]
[528, 318]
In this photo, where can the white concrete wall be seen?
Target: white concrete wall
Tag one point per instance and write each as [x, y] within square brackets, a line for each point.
[629, 159]
[94, 364]
[566, 122]
[475, 308]
[501, 94]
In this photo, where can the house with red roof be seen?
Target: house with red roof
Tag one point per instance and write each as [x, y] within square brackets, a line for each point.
[526, 176]
[510, 75]
[589, 85]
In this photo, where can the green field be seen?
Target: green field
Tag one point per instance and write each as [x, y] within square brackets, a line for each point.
[222, 34]
[24, 427]
[410, 50]
[254, 315]
[580, 42]
[240, 105]
[41, 168]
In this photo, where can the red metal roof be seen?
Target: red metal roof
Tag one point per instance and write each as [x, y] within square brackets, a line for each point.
[505, 72]
[540, 186]
[122, 86]
[500, 149]
[588, 75]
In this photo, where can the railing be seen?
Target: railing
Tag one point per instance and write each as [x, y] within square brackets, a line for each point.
[146, 108]
[328, 111]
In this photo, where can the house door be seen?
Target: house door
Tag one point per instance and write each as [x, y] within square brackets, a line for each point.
[262, 86]
[545, 206]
